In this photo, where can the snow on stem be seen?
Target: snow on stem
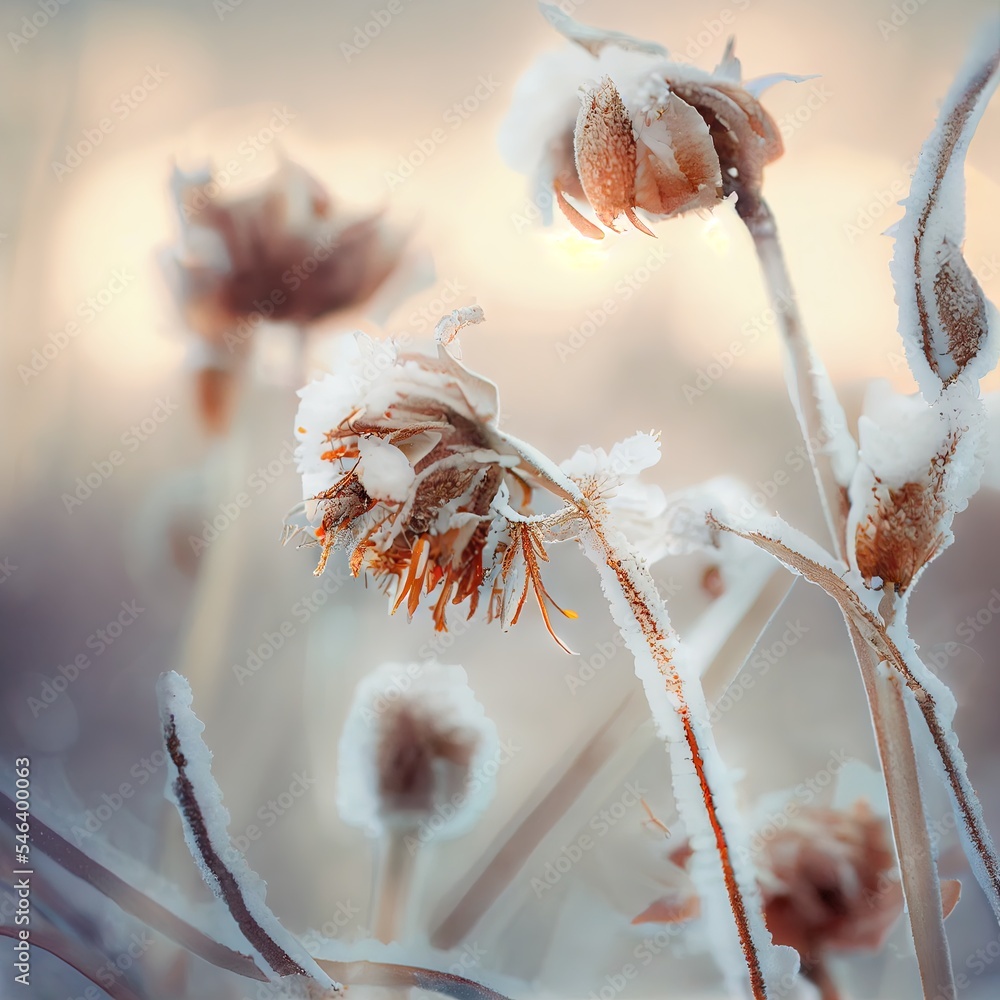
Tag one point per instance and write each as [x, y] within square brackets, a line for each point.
[702, 786]
[199, 800]
[929, 693]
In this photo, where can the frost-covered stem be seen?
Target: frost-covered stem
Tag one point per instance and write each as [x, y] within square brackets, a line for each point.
[681, 716]
[953, 766]
[395, 880]
[803, 370]
[917, 865]
[928, 693]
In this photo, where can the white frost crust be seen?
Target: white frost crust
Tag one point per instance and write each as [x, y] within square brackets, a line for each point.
[932, 229]
[899, 633]
[779, 964]
[384, 471]
[174, 696]
[902, 440]
[434, 692]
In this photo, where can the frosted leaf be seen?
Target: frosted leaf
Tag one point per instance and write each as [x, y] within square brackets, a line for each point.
[947, 325]
[595, 39]
[193, 789]
[383, 470]
[417, 753]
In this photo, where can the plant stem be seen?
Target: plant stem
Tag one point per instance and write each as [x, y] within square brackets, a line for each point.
[395, 880]
[808, 383]
[917, 864]
[678, 707]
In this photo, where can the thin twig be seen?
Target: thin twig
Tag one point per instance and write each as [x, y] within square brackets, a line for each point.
[808, 383]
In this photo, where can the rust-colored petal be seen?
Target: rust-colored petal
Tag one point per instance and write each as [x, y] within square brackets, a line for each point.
[606, 152]
[677, 168]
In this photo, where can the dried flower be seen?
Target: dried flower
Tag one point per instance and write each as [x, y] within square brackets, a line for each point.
[283, 252]
[414, 752]
[918, 465]
[649, 133]
[280, 253]
[402, 454]
[828, 883]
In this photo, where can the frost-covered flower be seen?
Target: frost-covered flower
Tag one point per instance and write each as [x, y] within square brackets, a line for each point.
[415, 752]
[281, 252]
[401, 453]
[919, 464]
[827, 878]
[614, 122]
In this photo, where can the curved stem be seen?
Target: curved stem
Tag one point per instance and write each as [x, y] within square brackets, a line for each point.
[816, 407]
[678, 706]
[917, 864]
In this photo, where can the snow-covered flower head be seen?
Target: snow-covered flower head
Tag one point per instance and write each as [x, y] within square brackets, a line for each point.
[404, 464]
[614, 122]
[415, 752]
[919, 464]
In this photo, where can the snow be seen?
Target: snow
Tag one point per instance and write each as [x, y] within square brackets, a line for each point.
[175, 700]
[384, 471]
[441, 697]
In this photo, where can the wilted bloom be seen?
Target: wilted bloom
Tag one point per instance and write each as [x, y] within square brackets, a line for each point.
[283, 252]
[402, 454]
[415, 752]
[645, 132]
[827, 879]
[918, 465]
